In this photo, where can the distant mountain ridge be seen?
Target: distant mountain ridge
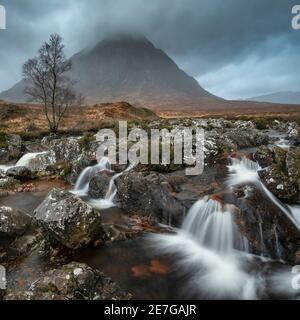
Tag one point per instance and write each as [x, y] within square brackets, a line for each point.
[128, 68]
[283, 97]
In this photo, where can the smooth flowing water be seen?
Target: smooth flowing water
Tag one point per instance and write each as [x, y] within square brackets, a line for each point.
[214, 257]
[82, 183]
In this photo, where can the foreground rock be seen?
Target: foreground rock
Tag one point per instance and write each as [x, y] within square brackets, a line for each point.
[149, 195]
[69, 219]
[13, 222]
[74, 281]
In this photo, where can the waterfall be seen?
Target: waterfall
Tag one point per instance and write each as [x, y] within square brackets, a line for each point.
[242, 171]
[208, 244]
[108, 201]
[82, 184]
[213, 227]
[214, 257]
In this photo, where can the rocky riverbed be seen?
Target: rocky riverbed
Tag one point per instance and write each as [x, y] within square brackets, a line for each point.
[73, 228]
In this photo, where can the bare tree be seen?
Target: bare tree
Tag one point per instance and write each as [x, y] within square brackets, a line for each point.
[49, 83]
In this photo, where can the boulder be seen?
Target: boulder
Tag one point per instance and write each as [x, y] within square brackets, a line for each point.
[20, 173]
[246, 138]
[282, 178]
[13, 222]
[149, 195]
[69, 219]
[67, 149]
[73, 281]
[264, 156]
[99, 184]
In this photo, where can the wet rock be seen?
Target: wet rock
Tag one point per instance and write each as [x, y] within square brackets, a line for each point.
[149, 195]
[99, 184]
[265, 224]
[13, 222]
[20, 173]
[264, 156]
[217, 148]
[247, 138]
[282, 178]
[74, 281]
[77, 167]
[69, 219]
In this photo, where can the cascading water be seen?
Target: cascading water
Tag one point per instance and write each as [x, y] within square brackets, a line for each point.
[108, 201]
[245, 170]
[215, 257]
[209, 244]
[82, 184]
[213, 227]
[241, 171]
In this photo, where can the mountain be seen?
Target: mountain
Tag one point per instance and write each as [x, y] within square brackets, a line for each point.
[284, 97]
[130, 68]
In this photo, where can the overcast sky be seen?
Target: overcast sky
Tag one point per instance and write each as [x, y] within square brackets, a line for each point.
[234, 48]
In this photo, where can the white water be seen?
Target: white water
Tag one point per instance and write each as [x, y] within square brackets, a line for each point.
[214, 257]
[245, 170]
[82, 184]
[108, 201]
[242, 171]
[213, 227]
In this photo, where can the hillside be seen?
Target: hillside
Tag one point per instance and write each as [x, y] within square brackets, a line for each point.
[127, 68]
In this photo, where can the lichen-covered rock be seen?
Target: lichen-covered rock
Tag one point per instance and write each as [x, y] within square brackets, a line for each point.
[69, 219]
[264, 156]
[67, 149]
[246, 138]
[149, 195]
[99, 184]
[74, 281]
[13, 222]
[217, 148]
[20, 173]
[41, 162]
[282, 178]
